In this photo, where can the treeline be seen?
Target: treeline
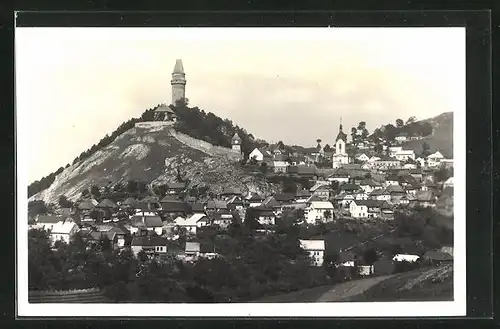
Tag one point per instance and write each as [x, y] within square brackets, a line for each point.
[410, 129]
[210, 128]
[45, 182]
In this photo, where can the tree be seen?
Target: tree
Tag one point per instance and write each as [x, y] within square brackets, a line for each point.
[289, 185]
[64, 202]
[327, 214]
[327, 148]
[361, 125]
[364, 133]
[370, 256]
[354, 133]
[263, 168]
[251, 219]
[425, 149]
[94, 190]
[399, 123]
[37, 207]
[411, 120]
[378, 148]
[442, 174]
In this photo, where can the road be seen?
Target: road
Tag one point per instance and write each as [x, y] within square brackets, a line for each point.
[338, 293]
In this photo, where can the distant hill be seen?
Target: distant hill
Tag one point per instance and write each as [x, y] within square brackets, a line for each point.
[441, 138]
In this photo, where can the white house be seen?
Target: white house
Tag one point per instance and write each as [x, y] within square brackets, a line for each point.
[393, 150]
[406, 258]
[409, 166]
[339, 177]
[404, 155]
[368, 185]
[315, 211]
[316, 249]
[256, 154]
[280, 166]
[47, 222]
[358, 209]
[192, 222]
[149, 223]
[363, 157]
[63, 231]
[400, 138]
[149, 244]
[434, 160]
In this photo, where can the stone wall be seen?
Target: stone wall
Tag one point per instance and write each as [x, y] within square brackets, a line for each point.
[152, 124]
[205, 147]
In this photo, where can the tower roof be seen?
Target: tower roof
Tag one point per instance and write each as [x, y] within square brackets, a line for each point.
[341, 135]
[236, 137]
[178, 68]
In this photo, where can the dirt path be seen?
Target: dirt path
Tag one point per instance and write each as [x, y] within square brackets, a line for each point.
[349, 289]
[337, 293]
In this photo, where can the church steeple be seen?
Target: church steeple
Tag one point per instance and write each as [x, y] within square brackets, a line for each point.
[341, 135]
[178, 82]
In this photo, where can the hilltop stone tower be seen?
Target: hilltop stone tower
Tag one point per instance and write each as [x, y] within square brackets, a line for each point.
[236, 143]
[178, 82]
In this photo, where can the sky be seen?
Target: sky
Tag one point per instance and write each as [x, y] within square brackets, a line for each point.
[75, 85]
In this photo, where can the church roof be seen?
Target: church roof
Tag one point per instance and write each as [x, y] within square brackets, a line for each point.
[341, 135]
[236, 137]
[178, 68]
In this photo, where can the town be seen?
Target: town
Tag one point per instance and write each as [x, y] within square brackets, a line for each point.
[360, 208]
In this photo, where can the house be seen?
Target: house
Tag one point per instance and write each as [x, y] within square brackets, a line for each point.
[280, 164]
[405, 258]
[47, 222]
[222, 219]
[191, 223]
[256, 154]
[265, 216]
[365, 270]
[362, 157]
[164, 113]
[175, 188]
[174, 208]
[368, 185]
[367, 208]
[401, 138]
[153, 245]
[87, 205]
[143, 209]
[405, 155]
[380, 194]
[152, 202]
[391, 180]
[305, 171]
[434, 160]
[95, 236]
[343, 199]
[107, 204]
[347, 259]
[284, 198]
[316, 249]
[437, 257]
[192, 251]
[236, 202]
[387, 163]
[393, 150]
[448, 183]
[350, 188]
[396, 192]
[63, 231]
[302, 195]
[229, 192]
[425, 199]
[128, 203]
[197, 208]
[255, 200]
[148, 223]
[321, 190]
[216, 206]
[318, 211]
[207, 250]
[447, 163]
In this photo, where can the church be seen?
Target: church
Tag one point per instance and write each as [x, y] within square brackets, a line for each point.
[340, 157]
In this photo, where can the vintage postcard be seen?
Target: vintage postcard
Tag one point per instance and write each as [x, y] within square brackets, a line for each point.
[238, 172]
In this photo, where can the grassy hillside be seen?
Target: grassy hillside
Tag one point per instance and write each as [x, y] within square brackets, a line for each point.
[441, 139]
[425, 284]
[150, 155]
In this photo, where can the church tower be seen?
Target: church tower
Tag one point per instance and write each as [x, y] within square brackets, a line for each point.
[340, 157]
[178, 82]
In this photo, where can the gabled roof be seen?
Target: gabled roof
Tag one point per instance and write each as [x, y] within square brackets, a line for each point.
[192, 247]
[216, 204]
[379, 191]
[369, 182]
[164, 108]
[63, 227]
[129, 202]
[191, 220]
[49, 219]
[313, 198]
[346, 256]
[207, 248]
[284, 197]
[372, 203]
[150, 199]
[176, 186]
[197, 207]
[255, 197]
[425, 196]
[236, 137]
[321, 204]
[395, 189]
[86, 205]
[349, 187]
[320, 186]
[231, 191]
[146, 221]
[170, 198]
[173, 206]
[312, 244]
[107, 203]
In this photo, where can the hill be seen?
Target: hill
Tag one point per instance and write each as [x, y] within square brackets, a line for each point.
[441, 138]
[153, 155]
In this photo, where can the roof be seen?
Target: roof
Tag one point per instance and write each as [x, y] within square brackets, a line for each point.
[178, 68]
[176, 185]
[170, 198]
[207, 248]
[303, 193]
[255, 197]
[284, 197]
[280, 157]
[392, 177]
[369, 182]
[197, 207]
[346, 256]
[349, 187]
[150, 199]
[320, 186]
[147, 221]
[107, 203]
[164, 108]
[191, 220]
[216, 204]
[49, 219]
[395, 189]
[149, 241]
[341, 135]
[236, 137]
[386, 158]
[231, 190]
[173, 206]
[425, 196]
[86, 205]
[312, 244]
[270, 201]
[371, 203]
[322, 205]
[302, 170]
[192, 247]
[379, 191]
[97, 235]
[63, 227]
[129, 201]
